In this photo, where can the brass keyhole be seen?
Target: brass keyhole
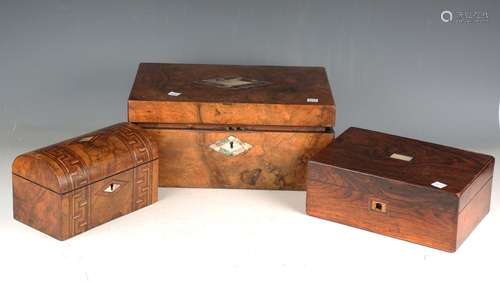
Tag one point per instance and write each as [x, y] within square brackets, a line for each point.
[231, 144]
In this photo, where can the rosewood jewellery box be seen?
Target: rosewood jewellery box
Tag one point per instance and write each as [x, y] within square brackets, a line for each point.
[412, 190]
[229, 126]
[70, 187]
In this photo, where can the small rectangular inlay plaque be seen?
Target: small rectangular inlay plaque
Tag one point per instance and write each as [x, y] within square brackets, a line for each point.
[401, 157]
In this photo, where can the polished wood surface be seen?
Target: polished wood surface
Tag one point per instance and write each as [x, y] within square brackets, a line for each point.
[82, 160]
[70, 187]
[286, 113]
[277, 160]
[287, 84]
[474, 212]
[354, 181]
[369, 152]
[282, 101]
[37, 207]
[247, 114]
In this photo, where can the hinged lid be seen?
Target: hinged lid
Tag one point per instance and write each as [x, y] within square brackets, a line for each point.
[424, 164]
[80, 161]
[230, 94]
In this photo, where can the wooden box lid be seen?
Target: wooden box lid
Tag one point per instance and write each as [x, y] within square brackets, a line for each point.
[422, 164]
[86, 159]
[231, 94]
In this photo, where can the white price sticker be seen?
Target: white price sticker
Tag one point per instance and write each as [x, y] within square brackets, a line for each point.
[174, 94]
[439, 185]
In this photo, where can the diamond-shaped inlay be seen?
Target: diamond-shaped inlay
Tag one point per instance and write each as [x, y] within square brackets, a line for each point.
[230, 146]
[86, 139]
[232, 82]
[112, 187]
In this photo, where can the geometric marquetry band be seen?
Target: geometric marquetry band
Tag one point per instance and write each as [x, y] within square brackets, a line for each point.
[80, 209]
[73, 166]
[138, 146]
[142, 186]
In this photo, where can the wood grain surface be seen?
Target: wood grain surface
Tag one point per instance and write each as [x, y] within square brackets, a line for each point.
[369, 152]
[292, 96]
[286, 84]
[285, 113]
[70, 187]
[354, 181]
[82, 160]
[277, 160]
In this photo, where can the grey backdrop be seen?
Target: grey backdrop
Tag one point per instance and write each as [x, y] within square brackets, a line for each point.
[67, 66]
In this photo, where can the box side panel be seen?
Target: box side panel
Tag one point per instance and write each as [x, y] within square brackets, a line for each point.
[269, 160]
[37, 207]
[227, 113]
[40, 170]
[474, 212]
[472, 190]
[383, 206]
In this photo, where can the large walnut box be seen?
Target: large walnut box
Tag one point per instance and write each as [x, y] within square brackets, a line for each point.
[70, 187]
[412, 190]
[228, 126]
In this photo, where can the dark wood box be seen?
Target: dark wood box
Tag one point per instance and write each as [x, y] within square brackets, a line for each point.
[412, 190]
[70, 187]
[233, 126]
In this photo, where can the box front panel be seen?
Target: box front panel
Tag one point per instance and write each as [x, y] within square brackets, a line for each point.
[213, 113]
[379, 205]
[236, 159]
[109, 198]
[112, 197]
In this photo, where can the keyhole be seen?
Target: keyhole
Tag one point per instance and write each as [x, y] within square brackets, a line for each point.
[378, 206]
[231, 144]
[112, 187]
